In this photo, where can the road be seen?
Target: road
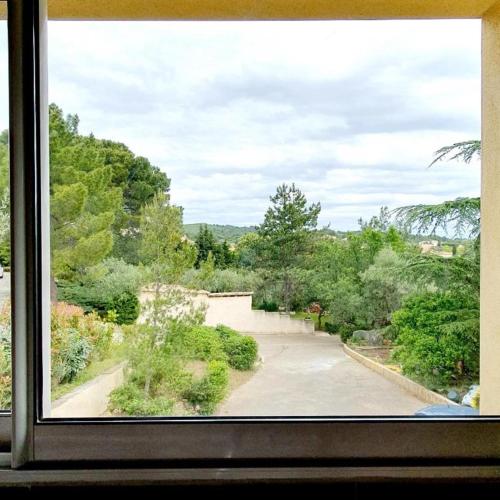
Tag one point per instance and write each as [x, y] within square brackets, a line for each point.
[310, 375]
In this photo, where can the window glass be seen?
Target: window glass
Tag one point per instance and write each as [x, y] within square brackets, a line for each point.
[5, 333]
[245, 220]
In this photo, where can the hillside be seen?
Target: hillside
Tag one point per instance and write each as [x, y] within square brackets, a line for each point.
[228, 233]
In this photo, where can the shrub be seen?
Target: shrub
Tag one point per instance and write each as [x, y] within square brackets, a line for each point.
[438, 336]
[346, 330]
[206, 393]
[76, 339]
[332, 328]
[199, 342]
[70, 354]
[240, 349]
[222, 280]
[126, 307]
[129, 399]
[269, 306]
[125, 304]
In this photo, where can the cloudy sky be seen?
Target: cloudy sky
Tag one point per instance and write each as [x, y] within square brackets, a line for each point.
[350, 111]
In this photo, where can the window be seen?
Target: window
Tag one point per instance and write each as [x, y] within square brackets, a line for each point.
[205, 438]
[287, 317]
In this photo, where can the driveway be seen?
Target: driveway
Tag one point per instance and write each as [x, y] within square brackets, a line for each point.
[310, 375]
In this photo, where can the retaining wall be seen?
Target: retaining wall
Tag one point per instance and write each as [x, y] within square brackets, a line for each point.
[235, 310]
[410, 386]
[89, 399]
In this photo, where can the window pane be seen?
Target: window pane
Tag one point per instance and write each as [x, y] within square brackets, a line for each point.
[244, 222]
[5, 334]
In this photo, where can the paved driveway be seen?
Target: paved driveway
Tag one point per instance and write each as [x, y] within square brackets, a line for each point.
[305, 375]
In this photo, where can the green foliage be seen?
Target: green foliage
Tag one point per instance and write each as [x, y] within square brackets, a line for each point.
[206, 393]
[346, 330]
[129, 399]
[221, 233]
[269, 306]
[199, 342]
[464, 151]
[111, 285]
[5, 363]
[438, 336]
[221, 280]
[286, 235]
[73, 355]
[462, 214]
[384, 287]
[207, 245]
[98, 188]
[241, 350]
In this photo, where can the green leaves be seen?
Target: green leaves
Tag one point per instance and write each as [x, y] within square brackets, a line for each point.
[438, 336]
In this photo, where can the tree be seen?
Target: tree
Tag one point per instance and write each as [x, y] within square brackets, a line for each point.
[168, 256]
[384, 288]
[438, 336]
[462, 213]
[74, 157]
[286, 235]
[205, 245]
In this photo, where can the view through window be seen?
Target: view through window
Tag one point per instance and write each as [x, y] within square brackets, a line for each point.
[245, 220]
[5, 333]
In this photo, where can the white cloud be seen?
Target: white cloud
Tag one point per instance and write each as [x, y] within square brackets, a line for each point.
[351, 111]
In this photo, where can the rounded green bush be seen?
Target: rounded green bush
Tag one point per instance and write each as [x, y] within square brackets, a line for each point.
[241, 350]
[200, 342]
[206, 393]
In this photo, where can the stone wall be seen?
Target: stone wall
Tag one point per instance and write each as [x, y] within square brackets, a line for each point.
[235, 310]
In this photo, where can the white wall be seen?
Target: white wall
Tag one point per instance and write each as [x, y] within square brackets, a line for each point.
[235, 310]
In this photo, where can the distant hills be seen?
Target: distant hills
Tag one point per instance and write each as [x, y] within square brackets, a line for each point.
[231, 234]
[228, 233]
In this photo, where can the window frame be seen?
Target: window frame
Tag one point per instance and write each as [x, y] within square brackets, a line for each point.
[225, 442]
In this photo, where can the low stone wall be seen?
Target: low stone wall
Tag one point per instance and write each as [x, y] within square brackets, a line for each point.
[89, 399]
[235, 310]
[410, 386]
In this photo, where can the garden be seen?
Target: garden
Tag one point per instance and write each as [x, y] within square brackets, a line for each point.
[114, 230]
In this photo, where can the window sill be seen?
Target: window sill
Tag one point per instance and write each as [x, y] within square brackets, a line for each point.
[226, 476]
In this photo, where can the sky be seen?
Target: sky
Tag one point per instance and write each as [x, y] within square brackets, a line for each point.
[352, 112]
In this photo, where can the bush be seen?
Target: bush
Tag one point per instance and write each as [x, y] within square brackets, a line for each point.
[346, 330]
[269, 306]
[76, 339]
[199, 342]
[125, 304]
[332, 328]
[206, 393]
[438, 337]
[129, 399]
[240, 349]
[126, 307]
[70, 354]
[222, 280]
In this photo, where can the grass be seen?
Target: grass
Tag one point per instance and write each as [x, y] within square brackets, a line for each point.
[314, 316]
[94, 369]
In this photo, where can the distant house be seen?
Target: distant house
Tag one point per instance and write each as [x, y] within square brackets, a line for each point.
[428, 246]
